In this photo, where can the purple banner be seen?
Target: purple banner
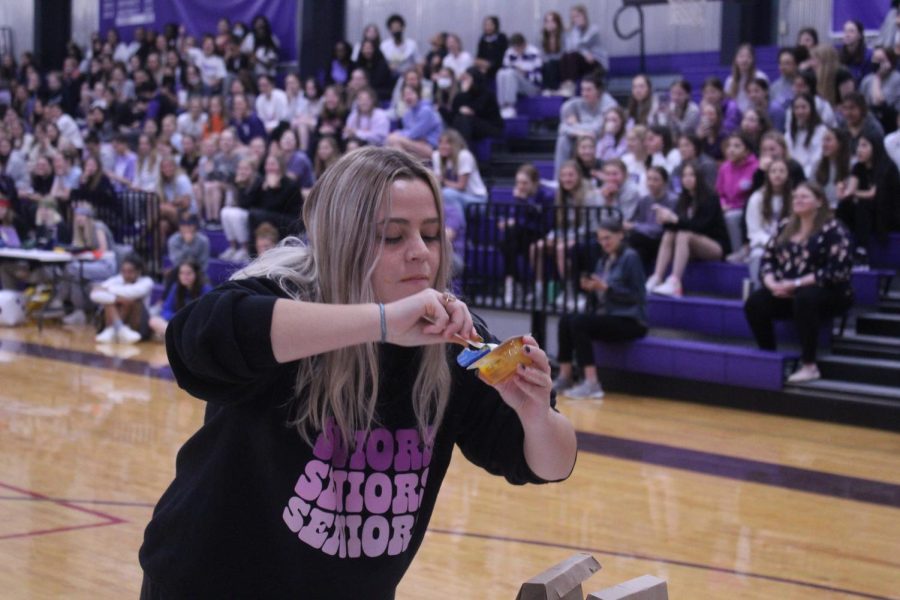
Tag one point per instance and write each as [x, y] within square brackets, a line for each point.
[870, 13]
[200, 16]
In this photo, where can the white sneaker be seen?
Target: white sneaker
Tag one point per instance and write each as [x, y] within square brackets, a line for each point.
[240, 256]
[671, 287]
[127, 335]
[107, 336]
[227, 253]
[804, 374]
[76, 317]
[652, 283]
[508, 112]
[509, 288]
[586, 390]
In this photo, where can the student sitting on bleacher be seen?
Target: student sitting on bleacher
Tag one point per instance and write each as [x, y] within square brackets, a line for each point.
[328, 151]
[421, 126]
[734, 185]
[806, 275]
[644, 231]
[456, 170]
[805, 83]
[882, 88]
[367, 124]
[833, 170]
[758, 94]
[873, 200]
[90, 234]
[521, 74]
[176, 196]
[189, 285]
[278, 200]
[189, 244]
[680, 113]
[766, 208]
[523, 224]
[124, 298]
[617, 284]
[581, 116]
[571, 224]
[743, 71]
[475, 113]
[586, 157]
[804, 136]
[643, 105]
[714, 94]
[691, 150]
[583, 53]
[695, 229]
[235, 219]
[612, 142]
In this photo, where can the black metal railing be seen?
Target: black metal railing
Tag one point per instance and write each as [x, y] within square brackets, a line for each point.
[530, 258]
[133, 218]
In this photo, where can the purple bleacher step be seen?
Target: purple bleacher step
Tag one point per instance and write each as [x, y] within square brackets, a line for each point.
[545, 168]
[516, 127]
[700, 361]
[720, 317]
[885, 254]
[217, 241]
[726, 279]
[539, 107]
[220, 270]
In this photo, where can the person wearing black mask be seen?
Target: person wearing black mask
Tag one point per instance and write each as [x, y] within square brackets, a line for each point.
[400, 52]
[475, 113]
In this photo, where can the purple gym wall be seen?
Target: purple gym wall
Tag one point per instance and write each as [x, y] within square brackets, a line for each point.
[200, 16]
[870, 13]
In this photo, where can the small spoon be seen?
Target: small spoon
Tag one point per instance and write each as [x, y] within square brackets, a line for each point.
[477, 344]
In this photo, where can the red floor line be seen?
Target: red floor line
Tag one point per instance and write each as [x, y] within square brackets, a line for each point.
[112, 518]
[29, 534]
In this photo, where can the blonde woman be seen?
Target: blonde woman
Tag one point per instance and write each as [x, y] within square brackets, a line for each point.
[326, 449]
[571, 223]
[146, 176]
[176, 196]
[457, 171]
[91, 234]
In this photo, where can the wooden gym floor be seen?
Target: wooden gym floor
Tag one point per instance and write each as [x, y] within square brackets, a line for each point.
[721, 503]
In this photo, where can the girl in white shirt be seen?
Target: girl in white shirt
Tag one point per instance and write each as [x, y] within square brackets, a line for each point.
[766, 207]
[457, 59]
[743, 71]
[805, 134]
[457, 171]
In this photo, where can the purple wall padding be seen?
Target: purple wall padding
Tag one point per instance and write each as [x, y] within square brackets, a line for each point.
[200, 16]
[870, 13]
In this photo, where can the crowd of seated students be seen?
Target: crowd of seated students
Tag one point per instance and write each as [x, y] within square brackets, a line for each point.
[222, 139]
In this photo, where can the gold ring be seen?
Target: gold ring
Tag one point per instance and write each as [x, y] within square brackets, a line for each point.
[448, 297]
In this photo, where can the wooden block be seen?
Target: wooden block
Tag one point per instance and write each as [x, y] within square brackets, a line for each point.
[562, 581]
[646, 587]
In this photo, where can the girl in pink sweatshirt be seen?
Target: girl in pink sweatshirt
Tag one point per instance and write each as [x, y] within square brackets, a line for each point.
[734, 185]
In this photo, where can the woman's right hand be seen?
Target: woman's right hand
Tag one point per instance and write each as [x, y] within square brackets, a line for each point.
[428, 317]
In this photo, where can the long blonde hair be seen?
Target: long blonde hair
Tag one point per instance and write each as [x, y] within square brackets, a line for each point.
[458, 144]
[336, 267]
[826, 71]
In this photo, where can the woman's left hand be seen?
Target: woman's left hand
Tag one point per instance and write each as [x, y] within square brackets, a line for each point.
[527, 391]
